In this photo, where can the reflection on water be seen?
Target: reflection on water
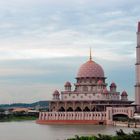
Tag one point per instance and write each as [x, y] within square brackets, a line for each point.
[29, 130]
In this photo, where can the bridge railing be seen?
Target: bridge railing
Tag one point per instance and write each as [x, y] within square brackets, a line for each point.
[72, 116]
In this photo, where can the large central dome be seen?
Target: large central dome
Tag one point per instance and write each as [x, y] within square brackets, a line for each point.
[90, 69]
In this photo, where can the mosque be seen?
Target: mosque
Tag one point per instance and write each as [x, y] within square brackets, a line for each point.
[92, 101]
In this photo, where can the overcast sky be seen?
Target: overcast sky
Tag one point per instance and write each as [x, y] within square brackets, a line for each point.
[44, 42]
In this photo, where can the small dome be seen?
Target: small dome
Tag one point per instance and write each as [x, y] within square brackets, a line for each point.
[56, 92]
[124, 93]
[67, 84]
[113, 85]
[100, 82]
[105, 91]
[90, 69]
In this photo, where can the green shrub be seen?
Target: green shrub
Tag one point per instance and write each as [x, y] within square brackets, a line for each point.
[120, 135]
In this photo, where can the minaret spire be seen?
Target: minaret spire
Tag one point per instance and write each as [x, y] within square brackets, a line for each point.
[139, 26]
[137, 86]
[90, 58]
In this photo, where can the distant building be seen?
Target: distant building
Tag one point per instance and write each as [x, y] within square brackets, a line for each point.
[91, 102]
[24, 111]
[19, 110]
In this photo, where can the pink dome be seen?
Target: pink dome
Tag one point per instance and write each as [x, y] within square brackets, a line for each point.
[90, 69]
[56, 92]
[67, 84]
[124, 93]
[113, 85]
[100, 82]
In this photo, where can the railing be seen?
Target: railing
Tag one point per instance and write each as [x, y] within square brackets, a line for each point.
[72, 116]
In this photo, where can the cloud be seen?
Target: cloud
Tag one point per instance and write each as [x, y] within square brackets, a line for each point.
[27, 93]
[40, 39]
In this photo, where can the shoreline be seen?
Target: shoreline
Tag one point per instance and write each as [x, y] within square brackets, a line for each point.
[18, 118]
[126, 124]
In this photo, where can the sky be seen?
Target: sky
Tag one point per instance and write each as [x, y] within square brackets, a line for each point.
[44, 42]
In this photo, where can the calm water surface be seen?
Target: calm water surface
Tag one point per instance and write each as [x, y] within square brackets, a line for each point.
[29, 130]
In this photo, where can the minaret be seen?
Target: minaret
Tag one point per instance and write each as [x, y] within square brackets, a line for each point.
[137, 86]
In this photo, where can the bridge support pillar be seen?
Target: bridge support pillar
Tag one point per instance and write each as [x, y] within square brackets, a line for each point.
[109, 116]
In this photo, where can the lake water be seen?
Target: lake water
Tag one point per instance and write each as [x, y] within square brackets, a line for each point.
[29, 130]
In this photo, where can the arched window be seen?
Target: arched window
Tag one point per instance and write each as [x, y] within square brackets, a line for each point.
[86, 109]
[69, 109]
[78, 109]
[62, 109]
[93, 109]
[85, 88]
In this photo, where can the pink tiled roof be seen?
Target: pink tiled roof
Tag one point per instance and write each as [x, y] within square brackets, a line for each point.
[124, 93]
[67, 84]
[90, 69]
[113, 85]
[56, 92]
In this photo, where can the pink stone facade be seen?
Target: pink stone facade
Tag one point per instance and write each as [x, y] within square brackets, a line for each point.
[94, 117]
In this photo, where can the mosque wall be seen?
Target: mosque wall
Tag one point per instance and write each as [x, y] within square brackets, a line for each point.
[90, 96]
[103, 116]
